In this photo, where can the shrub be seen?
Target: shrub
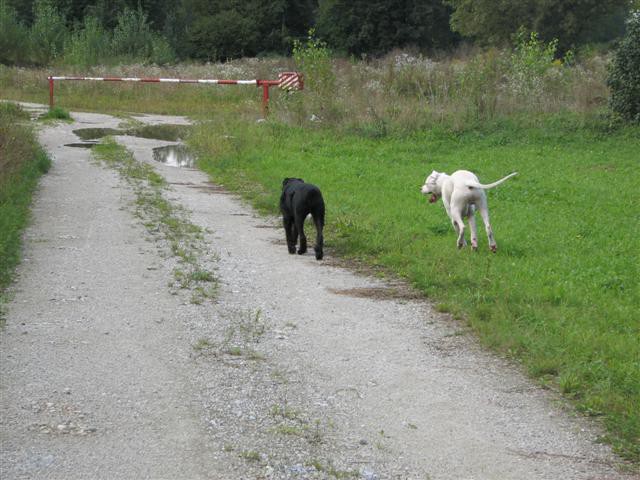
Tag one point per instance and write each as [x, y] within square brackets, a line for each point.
[88, 45]
[133, 39]
[48, 33]
[313, 59]
[13, 35]
[624, 74]
[529, 62]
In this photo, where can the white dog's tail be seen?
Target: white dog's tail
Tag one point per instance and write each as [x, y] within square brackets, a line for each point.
[491, 185]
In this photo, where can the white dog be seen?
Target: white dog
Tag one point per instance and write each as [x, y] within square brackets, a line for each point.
[462, 194]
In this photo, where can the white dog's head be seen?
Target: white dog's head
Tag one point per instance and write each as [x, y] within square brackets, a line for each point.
[431, 187]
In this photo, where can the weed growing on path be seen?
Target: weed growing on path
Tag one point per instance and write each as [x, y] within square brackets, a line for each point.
[56, 113]
[165, 219]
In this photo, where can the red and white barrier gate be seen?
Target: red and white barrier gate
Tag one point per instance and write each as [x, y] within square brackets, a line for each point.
[286, 81]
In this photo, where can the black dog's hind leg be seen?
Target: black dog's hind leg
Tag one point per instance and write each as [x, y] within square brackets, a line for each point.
[299, 226]
[318, 219]
[289, 231]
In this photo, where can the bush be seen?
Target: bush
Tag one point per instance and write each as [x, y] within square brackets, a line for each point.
[529, 62]
[624, 74]
[88, 45]
[48, 33]
[134, 40]
[13, 35]
[313, 59]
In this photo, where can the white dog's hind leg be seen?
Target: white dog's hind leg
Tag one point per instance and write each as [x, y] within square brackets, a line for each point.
[473, 228]
[456, 219]
[484, 213]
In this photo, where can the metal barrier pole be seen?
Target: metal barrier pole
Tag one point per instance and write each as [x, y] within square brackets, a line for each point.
[50, 92]
[286, 81]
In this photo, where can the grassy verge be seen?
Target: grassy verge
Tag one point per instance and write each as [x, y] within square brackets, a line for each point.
[22, 162]
[562, 293]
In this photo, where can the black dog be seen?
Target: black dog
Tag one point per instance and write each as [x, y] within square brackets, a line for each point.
[298, 200]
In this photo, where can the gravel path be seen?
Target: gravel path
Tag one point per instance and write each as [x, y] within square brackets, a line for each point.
[299, 369]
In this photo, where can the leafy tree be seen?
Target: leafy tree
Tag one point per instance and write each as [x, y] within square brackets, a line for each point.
[570, 21]
[48, 32]
[23, 9]
[377, 26]
[134, 39]
[222, 35]
[89, 44]
[222, 29]
[13, 35]
[624, 74]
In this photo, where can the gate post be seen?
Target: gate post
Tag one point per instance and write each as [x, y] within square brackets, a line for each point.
[50, 93]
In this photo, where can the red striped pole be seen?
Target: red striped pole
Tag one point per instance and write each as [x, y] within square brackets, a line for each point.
[286, 81]
[50, 92]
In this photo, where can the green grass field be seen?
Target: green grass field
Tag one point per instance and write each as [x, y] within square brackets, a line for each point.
[561, 294]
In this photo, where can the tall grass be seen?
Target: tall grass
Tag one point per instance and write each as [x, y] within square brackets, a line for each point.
[402, 93]
[22, 162]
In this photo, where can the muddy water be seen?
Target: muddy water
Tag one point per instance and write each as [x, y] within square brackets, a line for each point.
[89, 144]
[174, 156]
[171, 133]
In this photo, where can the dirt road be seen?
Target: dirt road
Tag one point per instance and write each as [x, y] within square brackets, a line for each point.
[298, 369]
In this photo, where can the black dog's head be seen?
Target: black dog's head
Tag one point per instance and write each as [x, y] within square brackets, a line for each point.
[288, 181]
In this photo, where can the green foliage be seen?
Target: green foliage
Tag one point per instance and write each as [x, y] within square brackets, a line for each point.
[624, 74]
[223, 35]
[226, 29]
[13, 35]
[48, 32]
[158, 31]
[313, 57]
[573, 22]
[89, 44]
[133, 39]
[378, 26]
[529, 62]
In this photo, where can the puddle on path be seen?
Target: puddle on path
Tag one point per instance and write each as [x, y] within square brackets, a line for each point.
[171, 133]
[81, 144]
[95, 133]
[174, 156]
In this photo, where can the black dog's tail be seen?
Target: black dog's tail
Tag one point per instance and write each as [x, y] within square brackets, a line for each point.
[318, 219]
[317, 209]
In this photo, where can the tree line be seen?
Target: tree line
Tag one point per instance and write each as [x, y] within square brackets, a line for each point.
[162, 31]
